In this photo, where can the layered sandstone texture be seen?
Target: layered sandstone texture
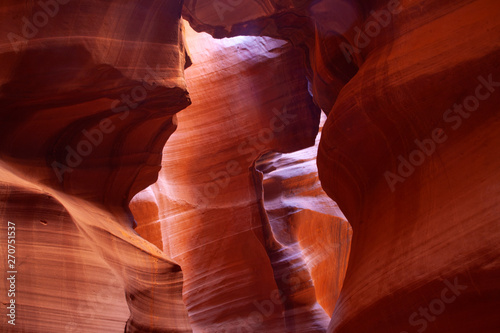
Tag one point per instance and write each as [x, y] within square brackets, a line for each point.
[159, 189]
[208, 209]
[88, 96]
[409, 150]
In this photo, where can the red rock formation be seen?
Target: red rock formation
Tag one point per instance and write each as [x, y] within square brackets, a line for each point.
[61, 284]
[409, 152]
[406, 63]
[418, 230]
[207, 203]
[88, 99]
[304, 218]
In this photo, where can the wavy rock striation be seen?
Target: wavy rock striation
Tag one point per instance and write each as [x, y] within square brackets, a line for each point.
[208, 202]
[89, 93]
[408, 150]
[304, 218]
[88, 96]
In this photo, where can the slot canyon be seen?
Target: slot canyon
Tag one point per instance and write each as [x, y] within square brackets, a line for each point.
[240, 166]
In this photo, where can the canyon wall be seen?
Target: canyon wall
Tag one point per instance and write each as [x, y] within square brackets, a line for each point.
[224, 227]
[88, 96]
[207, 209]
[409, 150]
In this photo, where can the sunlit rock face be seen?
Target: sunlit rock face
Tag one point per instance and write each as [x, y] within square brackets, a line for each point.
[304, 218]
[324, 29]
[88, 96]
[61, 285]
[207, 209]
[232, 230]
[409, 151]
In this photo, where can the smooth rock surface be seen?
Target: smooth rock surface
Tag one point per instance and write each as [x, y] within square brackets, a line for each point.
[409, 152]
[387, 72]
[87, 102]
[208, 202]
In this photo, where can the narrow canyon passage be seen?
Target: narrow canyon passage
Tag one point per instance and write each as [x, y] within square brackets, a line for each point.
[208, 203]
[230, 166]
